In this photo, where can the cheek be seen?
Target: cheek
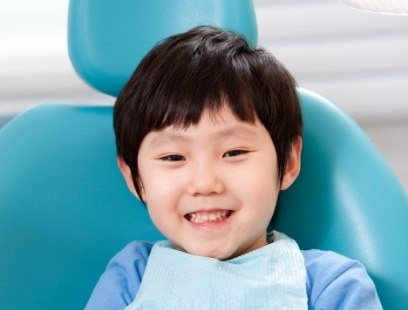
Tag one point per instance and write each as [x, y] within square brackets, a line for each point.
[162, 196]
[157, 184]
[263, 202]
[260, 190]
[260, 180]
[162, 206]
[159, 194]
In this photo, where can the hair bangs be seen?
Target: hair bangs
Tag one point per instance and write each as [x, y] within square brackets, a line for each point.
[183, 98]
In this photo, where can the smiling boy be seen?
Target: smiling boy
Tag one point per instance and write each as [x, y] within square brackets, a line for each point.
[218, 183]
[208, 132]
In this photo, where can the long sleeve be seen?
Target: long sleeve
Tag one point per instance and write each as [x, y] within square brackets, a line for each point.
[118, 285]
[337, 282]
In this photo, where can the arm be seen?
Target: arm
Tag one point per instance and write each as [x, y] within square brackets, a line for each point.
[118, 285]
[337, 282]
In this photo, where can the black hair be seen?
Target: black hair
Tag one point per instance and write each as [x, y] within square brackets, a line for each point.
[206, 68]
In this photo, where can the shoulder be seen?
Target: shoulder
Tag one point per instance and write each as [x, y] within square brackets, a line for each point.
[135, 251]
[120, 281]
[322, 262]
[338, 282]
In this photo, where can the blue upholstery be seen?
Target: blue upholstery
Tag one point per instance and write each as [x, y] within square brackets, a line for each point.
[65, 210]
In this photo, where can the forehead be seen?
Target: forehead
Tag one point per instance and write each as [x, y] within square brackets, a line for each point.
[222, 124]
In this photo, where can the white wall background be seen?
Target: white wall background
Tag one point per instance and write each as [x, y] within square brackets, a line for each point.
[356, 59]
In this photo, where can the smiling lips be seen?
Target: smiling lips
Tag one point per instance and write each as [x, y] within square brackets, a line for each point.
[204, 217]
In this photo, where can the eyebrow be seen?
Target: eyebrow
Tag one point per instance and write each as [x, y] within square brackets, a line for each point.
[164, 137]
[235, 131]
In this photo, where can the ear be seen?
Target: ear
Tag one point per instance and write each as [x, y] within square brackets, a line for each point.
[293, 165]
[127, 175]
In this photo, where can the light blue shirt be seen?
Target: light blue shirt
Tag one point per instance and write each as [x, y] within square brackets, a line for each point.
[333, 281]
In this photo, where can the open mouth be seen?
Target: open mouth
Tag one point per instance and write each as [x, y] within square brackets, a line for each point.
[204, 217]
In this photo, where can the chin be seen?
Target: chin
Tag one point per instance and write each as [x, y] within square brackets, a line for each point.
[221, 256]
[212, 253]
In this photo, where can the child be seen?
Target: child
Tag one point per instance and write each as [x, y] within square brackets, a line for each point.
[208, 132]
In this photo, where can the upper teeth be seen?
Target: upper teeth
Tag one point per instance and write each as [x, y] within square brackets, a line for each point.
[205, 217]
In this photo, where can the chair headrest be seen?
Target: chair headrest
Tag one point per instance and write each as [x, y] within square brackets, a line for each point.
[108, 38]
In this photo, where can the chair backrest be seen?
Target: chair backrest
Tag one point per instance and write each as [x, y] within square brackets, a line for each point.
[108, 38]
[65, 210]
[348, 200]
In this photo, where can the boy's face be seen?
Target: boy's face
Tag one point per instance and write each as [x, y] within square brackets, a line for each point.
[212, 188]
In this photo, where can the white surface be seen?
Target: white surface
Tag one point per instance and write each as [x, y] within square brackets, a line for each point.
[356, 59]
[383, 6]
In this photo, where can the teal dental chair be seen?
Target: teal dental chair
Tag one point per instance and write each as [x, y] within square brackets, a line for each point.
[65, 210]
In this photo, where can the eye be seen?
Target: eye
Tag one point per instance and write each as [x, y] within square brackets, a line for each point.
[235, 152]
[172, 157]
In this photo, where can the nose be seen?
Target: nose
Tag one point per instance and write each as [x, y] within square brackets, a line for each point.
[205, 180]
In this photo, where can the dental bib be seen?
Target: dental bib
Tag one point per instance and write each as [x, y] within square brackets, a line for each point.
[271, 277]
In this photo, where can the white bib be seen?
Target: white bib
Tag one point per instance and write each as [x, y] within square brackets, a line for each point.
[271, 277]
